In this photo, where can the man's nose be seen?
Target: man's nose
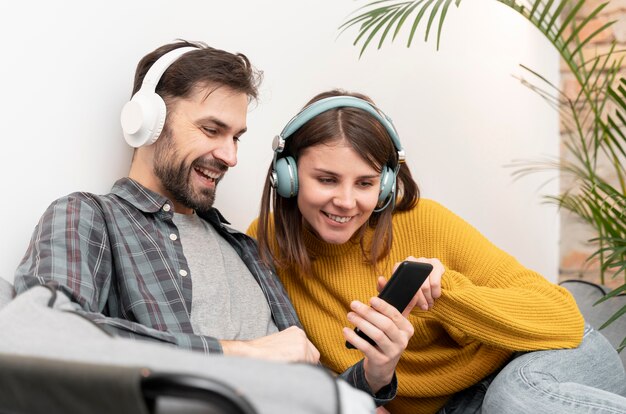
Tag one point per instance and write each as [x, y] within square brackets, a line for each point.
[227, 152]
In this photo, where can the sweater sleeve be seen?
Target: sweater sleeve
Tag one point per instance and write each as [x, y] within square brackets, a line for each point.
[488, 296]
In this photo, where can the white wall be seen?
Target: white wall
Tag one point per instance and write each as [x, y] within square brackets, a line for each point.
[67, 69]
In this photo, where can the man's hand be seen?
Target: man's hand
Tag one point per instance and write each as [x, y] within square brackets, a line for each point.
[290, 345]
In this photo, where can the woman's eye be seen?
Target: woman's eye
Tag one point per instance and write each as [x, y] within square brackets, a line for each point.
[325, 180]
[366, 184]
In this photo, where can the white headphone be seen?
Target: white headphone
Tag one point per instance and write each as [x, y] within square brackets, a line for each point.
[143, 116]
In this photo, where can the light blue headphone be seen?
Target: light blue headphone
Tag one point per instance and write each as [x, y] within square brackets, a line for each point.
[284, 175]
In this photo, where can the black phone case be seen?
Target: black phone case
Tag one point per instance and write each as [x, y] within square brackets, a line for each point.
[400, 289]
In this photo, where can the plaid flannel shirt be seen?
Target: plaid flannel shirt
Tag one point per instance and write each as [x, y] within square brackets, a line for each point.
[119, 257]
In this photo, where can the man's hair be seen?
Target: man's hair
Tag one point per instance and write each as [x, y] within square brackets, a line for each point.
[205, 66]
[371, 140]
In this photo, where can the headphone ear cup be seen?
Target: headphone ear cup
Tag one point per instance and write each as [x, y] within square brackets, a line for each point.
[286, 182]
[387, 183]
[143, 118]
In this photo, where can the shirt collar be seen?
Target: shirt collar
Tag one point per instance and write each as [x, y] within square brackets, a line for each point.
[139, 196]
[149, 201]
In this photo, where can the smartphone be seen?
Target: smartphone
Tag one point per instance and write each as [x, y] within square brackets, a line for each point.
[400, 289]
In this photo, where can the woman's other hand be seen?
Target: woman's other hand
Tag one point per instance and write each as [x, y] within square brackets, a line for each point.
[425, 297]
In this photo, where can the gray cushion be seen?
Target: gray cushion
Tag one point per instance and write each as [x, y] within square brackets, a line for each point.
[43, 325]
[6, 292]
[586, 295]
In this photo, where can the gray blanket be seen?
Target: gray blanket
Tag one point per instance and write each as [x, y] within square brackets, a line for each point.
[40, 323]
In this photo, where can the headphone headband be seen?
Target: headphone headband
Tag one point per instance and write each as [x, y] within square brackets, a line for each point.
[158, 68]
[333, 102]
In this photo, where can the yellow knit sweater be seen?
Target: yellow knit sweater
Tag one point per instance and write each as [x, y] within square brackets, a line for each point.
[490, 306]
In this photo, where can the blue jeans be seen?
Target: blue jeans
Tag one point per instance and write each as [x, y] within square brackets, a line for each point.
[587, 379]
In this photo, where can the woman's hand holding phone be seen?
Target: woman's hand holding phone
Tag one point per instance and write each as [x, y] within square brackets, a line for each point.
[402, 289]
[391, 332]
[382, 332]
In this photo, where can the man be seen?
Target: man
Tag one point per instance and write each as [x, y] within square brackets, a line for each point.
[153, 259]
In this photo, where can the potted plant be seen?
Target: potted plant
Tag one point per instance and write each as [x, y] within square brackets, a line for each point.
[592, 121]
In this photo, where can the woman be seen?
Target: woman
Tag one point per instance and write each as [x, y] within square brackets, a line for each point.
[345, 209]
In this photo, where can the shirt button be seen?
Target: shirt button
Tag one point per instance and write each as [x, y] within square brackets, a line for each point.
[173, 236]
[166, 207]
[182, 272]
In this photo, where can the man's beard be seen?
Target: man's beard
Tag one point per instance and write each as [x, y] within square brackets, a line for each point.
[174, 175]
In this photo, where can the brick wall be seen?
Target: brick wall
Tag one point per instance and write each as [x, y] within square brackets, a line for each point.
[574, 245]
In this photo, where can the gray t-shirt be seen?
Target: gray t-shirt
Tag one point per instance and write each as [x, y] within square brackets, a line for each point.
[227, 302]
